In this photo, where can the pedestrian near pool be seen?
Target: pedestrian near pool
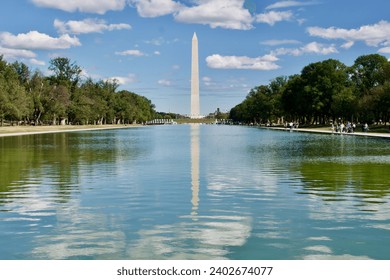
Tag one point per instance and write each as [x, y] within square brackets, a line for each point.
[348, 127]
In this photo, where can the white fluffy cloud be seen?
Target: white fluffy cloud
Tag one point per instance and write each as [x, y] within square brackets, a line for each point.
[88, 25]
[273, 17]
[229, 14]
[373, 35]
[384, 50]
[35, 40]
[280, 42]
[347, 45]
[207, 81]
[123, 80]
[318, 48]
[37, 62]
[311, 48]
[156, 8]
[87, 6]
[288, 4]
[164, 82]
[131, 52]
[16, 53]
[266, 62]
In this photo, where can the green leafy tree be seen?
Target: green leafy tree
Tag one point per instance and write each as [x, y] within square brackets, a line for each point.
[367, 72]
[277, 87]
[344, 104]
[3, 100]
[256, 108]
[63, 96]
[86, 104]
[293, 99]
[66, 73]
[322, 81]
[56, 103]
[23, 72]
[369, 75]
[14, 102]
[323, 91]
[38, 88]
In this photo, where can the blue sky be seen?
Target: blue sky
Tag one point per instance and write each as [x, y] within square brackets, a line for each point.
[146, 44]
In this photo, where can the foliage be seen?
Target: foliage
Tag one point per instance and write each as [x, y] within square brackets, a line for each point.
[30, 97]
[323, 92]
[66, 73]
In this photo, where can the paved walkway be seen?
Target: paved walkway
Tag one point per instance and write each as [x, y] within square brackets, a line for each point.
[325, 131]
[30, 130]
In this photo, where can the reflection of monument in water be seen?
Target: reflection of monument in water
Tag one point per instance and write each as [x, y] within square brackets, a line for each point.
[195, 168]
[195, 127]
[195, 112]
[204, 235]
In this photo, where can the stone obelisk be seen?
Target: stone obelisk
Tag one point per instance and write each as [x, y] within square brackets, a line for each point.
[195, 79]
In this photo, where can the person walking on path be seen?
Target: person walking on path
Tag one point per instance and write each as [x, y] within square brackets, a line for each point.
[365, 128]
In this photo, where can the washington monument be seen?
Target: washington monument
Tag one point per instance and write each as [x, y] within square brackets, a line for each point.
[195, 80]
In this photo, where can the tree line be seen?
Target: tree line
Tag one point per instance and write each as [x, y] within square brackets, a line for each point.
[323, 92]
[29, 97]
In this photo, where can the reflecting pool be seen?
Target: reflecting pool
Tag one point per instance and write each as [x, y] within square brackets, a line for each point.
[194, 192]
